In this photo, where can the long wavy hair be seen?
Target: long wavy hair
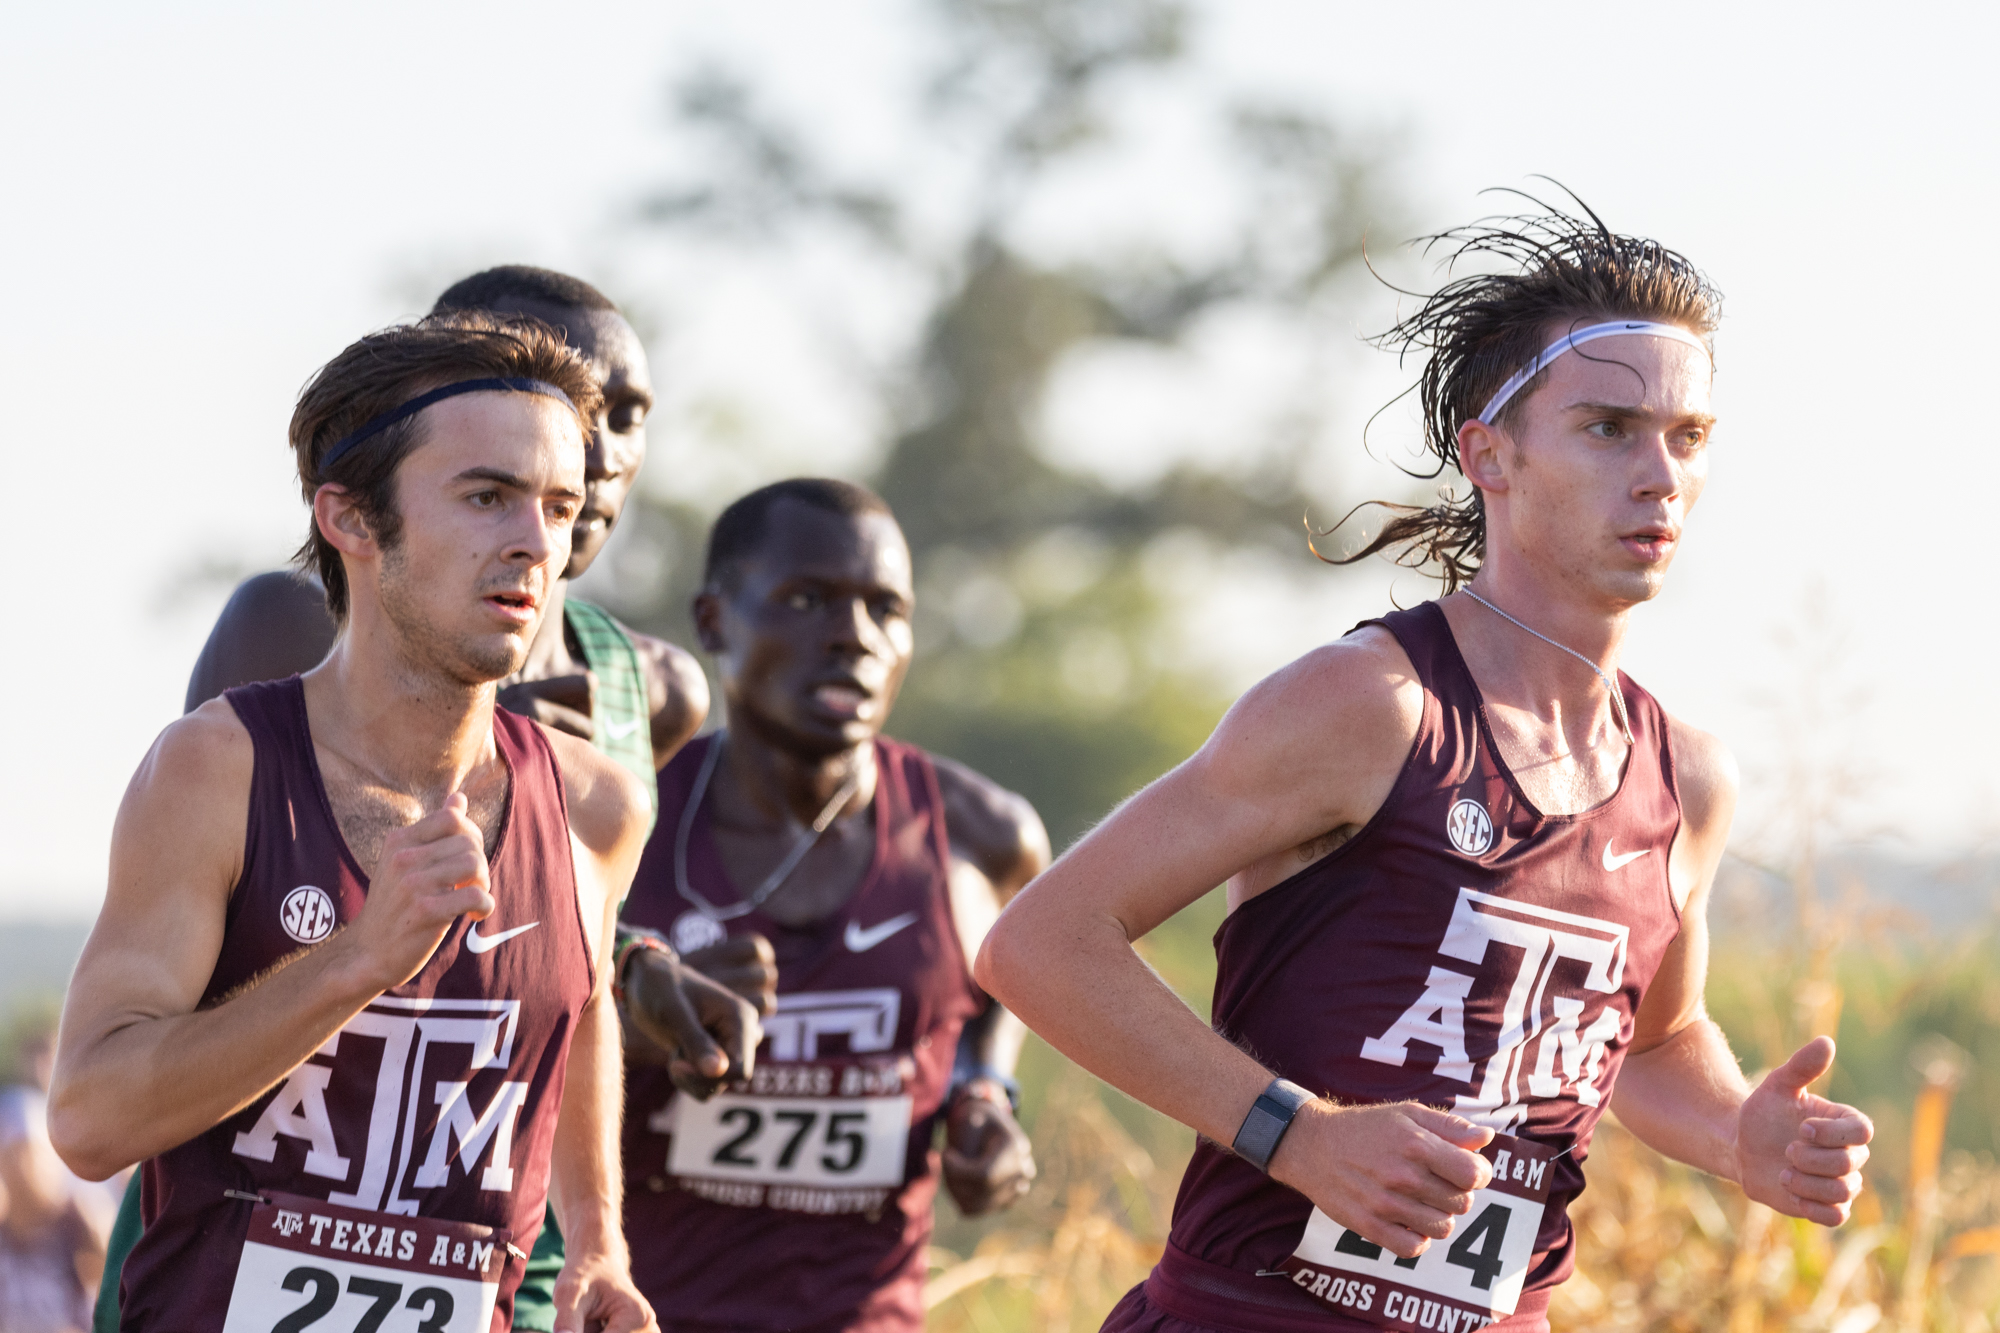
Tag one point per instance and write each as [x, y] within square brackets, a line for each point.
[1479, 329]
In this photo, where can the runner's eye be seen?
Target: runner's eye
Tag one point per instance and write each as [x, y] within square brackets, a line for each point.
[485, 499]
[805, 599]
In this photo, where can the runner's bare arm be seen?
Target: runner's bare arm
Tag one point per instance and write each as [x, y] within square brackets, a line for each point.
[1681, 1090]
[274, 625]
[998, 845]
[607, 812]
[1314, 748]
[140, 1067]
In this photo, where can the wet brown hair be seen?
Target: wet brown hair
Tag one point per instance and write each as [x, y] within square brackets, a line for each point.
[388, 368]
[1480, 329]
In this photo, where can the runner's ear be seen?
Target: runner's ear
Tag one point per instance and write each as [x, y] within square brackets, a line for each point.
[707, 608]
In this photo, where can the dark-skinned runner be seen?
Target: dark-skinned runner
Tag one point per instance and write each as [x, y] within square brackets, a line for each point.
[873, 870]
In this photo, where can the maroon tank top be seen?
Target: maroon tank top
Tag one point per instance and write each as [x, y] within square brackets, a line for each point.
[438, 1100]
[806, 1202]
[1463, 950]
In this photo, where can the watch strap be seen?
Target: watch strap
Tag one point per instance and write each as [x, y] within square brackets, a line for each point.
[1265, 1125]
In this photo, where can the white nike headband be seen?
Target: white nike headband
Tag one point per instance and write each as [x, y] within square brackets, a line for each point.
[1576, 339]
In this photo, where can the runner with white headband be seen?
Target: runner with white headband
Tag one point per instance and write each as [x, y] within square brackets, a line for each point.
[1467, 862]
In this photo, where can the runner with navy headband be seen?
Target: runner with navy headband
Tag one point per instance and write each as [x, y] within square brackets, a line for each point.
[1467, 860]
[348, 999]
[636, 697]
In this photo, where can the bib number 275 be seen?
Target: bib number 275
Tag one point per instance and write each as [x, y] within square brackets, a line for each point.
[821, 1141]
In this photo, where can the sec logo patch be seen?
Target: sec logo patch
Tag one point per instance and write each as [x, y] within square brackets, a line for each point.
[307, 914]
[1469, 828]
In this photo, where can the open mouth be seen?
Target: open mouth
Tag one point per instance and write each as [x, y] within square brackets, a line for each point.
[519, 605]
[843, 700]
[1652, 543]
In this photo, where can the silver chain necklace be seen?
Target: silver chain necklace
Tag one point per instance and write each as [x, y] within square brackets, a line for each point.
[1617, 699]
[808, 839]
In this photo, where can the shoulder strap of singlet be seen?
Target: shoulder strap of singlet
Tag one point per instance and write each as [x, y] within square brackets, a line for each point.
[915, 783]
[624, 730]
[537, 837]
[273, 712]
[1425, 636]
[917, 789]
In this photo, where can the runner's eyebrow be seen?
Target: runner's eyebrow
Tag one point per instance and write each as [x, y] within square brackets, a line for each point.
[1628, 413]
[505, 478]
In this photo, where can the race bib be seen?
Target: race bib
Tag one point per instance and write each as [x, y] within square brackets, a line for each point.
[1466, 1282]
[313, 1265]
[788, 1144]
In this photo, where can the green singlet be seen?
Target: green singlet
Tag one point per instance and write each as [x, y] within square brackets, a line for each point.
[624, 732]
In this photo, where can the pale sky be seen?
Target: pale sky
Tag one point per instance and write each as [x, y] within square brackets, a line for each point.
[204, 204]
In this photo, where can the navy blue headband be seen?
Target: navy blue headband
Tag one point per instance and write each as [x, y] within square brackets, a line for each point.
[379, 424]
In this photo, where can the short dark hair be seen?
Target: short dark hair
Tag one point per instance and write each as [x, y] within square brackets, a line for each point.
[740, 529]
[1481, 328]
[388, 368]
[509, 285]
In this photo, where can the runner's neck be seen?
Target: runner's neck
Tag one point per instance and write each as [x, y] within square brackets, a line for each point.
[763, 784]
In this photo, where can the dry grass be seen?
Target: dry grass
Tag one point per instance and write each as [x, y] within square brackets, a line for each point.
[1661, 1247]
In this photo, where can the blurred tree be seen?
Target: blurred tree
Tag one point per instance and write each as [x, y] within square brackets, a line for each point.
[1043, 603]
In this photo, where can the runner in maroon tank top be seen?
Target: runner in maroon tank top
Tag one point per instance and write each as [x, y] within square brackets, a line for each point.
[1466, 876]
[348, 992]
[803, 1200]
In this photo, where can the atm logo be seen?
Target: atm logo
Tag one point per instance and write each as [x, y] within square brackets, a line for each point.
[1550, 968]
[418, 1066]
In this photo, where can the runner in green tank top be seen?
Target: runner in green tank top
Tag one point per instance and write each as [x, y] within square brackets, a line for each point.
[638, 699]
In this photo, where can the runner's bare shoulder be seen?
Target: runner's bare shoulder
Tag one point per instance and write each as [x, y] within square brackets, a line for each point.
[608, 807]
[1706, 774]
[177, 846]
[676, 692]
[274, 625]
[995, 829]
[1706, 778]
[1347, 710]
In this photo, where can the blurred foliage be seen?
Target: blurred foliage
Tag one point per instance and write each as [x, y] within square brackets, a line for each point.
[1043, 658]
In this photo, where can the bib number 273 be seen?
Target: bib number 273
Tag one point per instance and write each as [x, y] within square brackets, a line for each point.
[313, 1267]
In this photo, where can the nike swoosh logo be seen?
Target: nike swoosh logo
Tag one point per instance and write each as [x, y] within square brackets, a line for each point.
[1616, 862]
[861, 941]
[618, 731]
[481, 943]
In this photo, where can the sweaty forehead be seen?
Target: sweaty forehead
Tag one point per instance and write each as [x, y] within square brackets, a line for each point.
[514, 431]
[805, 541]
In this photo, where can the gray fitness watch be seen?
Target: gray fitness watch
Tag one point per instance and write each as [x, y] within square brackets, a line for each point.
[1270, 1116]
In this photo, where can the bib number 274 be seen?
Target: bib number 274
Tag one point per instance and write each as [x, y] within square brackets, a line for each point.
[1464, 1283]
